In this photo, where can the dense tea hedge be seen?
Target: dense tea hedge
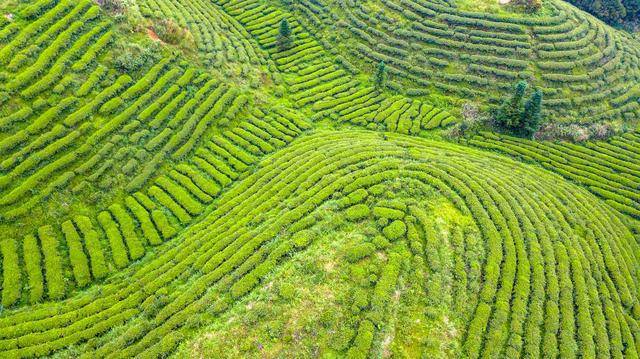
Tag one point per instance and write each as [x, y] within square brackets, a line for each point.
[609, 169]
[226, 185]
[476, 54]
[545, 243]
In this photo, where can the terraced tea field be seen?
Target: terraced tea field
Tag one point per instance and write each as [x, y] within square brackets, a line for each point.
[243, 193]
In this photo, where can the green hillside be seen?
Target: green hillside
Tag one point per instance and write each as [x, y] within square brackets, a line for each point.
[184, 178]
[588, 72]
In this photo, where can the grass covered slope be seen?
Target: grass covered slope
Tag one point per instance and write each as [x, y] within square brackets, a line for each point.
[525, 262]
[588, 71]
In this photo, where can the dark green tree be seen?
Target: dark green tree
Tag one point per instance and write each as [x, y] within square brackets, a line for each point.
[285, 38]
[531, 116]
[380, 77]
[615, 12]
[509, 113]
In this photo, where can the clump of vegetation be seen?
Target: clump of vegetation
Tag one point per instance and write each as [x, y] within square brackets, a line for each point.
[357, 212]
[171, 33]
[395, 230]
[380, 77]
[615, 12]
[529, 6]
[133, 57]
[113, 6]
[519, 116]
[578, 132]
[285, 36]
[473, 119]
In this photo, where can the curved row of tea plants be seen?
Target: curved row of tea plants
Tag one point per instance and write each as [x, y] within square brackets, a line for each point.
[329, 84]
[586, 70]
[610, 169]
[558, 270]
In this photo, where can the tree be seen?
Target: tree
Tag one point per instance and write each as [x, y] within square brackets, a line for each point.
[380, 77]
[531, 117]
[615, 12]
[522, 119]
[285, 38]
[509, 113]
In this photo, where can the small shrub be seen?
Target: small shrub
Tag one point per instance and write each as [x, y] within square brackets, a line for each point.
[113, 6]
[395, 230]
[170, 32]
[359, 251]
[359, 211]
[287, 290]
[133, 57]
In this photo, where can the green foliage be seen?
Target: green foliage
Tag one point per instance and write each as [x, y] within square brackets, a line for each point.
[144, 218]
[161, 221]
[520, 117]
[285, 36]
[37, 9]
[531, 115]
[33, 266]
[362, 342]
[77, 256]
[93, 246]
[612, 11]
[11, 273]
[530, 6]
[385, 212]
[395, 230]
[133, 57]
[356, 212]
[359, 251]
[128, 230]
[118, 248]
[302, 238]
[114, 6]
[52, 263]
[509, 114]
[380, 76]
[170, 32]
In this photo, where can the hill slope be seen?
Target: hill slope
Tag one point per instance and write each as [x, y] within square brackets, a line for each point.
[153, 194]
[568, 240]
[588, 71]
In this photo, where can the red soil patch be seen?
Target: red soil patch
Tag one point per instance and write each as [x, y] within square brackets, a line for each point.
[152, 34]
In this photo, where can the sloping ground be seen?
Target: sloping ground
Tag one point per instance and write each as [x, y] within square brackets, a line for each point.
[99, 166]
[558, 273]
[609, 169]
[587, 71]
[138, 209]
[220, 40]
[315, 79]
[92, 167]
